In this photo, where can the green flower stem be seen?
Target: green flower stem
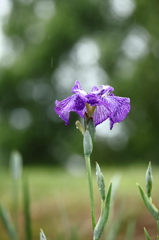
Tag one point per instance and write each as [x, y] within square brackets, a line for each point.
[90, 185]
[158, 229]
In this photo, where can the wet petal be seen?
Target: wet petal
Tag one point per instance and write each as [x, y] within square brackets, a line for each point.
[73, 103]
[77, 89]
[119, 108]
[113, 108]
[101, 114]
[95, 89]
[107, 105]
[103, 91]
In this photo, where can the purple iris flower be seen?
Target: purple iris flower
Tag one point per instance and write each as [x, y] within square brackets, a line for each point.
[100, 104]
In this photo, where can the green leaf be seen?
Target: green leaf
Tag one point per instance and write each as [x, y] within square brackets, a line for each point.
[7, 222]
[100, 181]
[115, 224]
[16, 164]
[16, 168]
[150, 206]
[42, 235]
[130, 230]
[149, 180]
[87, 143]
[146, 234]
[104, 217]
[26, 209]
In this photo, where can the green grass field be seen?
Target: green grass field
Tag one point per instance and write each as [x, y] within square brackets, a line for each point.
[59, 202]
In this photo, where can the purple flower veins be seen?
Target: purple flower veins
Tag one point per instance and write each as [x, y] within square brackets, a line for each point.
[104, 104]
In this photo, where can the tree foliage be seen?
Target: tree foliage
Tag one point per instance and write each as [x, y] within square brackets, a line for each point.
[45, 38]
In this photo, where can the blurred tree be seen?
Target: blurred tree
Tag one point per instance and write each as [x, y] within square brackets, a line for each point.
[53, 43]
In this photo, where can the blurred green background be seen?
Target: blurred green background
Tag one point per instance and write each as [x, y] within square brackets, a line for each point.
[47, 45]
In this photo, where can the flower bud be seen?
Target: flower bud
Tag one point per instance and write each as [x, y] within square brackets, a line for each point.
[100, 181]
[79, 127]
[89, 125]
[149, 180]
[87, 143]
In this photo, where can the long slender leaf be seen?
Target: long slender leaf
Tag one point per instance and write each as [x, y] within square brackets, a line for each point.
[16, 168]
[146, 234]
[151, 207]
[26, 208]
[42, 235]
[104, 217]
[100, 182]
[115, 225]
[130, 230]
[8, 223]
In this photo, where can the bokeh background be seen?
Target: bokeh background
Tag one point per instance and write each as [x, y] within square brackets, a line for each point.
[45, 46]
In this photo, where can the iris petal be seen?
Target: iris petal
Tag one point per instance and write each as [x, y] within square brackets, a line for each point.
[120, 107]
[105, 90]
[112, 107]
[101, 114]
[73, 103]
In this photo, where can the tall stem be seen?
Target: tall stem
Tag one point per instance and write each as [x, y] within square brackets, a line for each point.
[158, 229]
[90, 185]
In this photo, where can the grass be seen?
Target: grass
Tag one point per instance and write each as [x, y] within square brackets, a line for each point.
[60, 201]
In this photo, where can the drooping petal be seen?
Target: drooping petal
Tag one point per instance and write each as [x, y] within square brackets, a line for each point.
[101, 114]
[120, 107]
[75, 103]
[109, 107]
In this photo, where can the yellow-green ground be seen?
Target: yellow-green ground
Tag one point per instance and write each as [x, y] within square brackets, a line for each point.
[59, 201]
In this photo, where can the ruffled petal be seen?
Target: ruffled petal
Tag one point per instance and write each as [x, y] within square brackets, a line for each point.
[119, 107]
[103, 91]
[111, 107]
[101, 114]
[107, 105]
[92, 99]
[77, 89]
[94, 89]
[106, 90]
[73, 103]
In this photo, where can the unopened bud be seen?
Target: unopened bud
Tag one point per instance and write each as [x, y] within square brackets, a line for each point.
[79, 127]
[87, 143]
[100, 181]
[149, 180]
